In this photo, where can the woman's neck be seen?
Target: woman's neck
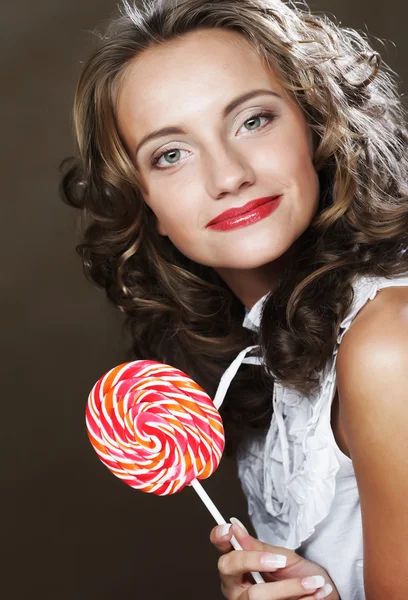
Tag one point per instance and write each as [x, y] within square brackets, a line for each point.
[249, 285]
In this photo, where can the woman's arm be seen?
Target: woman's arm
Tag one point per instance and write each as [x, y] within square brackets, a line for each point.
[372, 377]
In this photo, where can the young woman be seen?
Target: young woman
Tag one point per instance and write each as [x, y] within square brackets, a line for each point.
[243, 175]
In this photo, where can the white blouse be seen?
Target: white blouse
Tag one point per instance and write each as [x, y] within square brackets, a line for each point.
[301, 489]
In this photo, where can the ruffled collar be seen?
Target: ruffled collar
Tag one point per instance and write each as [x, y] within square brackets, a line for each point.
[252, 319]
[299, 460]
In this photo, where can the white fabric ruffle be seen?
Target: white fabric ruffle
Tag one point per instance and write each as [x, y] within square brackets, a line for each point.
[299, 468]
[299, 463]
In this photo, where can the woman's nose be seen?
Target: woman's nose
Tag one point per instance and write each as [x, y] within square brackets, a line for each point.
[227, 172]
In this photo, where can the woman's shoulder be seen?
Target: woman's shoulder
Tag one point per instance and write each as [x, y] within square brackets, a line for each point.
[368, 303]
[379, 327]
[372, 358]
[380, 318]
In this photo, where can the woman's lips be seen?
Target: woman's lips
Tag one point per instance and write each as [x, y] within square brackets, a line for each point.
[250, 213]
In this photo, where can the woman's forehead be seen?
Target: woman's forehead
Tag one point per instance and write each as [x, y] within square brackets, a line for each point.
[203, 66]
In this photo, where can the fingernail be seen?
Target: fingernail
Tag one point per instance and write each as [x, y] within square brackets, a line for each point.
[223, 530]
[235, 521]
[273, 560]
[324, 592]
[311, 583]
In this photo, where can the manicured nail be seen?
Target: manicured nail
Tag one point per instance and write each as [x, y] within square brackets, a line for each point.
[235, 521]
[324, 592]
[276, 561]
[223, 530]
[311, 583]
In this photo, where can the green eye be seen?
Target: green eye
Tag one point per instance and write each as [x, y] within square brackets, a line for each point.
[171, 156]
[256, 122]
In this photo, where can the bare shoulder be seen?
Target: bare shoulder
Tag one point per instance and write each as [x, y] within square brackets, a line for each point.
[371, 370]
[372, 380]
[377, 338]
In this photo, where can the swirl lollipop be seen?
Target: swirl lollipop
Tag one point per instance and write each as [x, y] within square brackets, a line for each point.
[157, 430]
[153, 427]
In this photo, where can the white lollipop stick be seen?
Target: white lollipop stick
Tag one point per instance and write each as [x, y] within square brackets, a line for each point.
[219, 519]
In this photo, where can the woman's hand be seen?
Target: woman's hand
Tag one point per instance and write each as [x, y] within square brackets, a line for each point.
[288, 576]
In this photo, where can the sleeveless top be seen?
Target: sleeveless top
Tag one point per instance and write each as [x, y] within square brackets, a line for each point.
[301, 488]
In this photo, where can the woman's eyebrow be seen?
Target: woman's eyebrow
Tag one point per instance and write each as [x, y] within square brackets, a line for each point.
[244, 97]
[172, 130]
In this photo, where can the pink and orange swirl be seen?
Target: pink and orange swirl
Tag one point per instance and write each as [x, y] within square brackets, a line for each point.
[154, 427]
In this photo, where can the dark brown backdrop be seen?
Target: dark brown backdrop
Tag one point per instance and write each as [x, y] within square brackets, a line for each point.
[70, 530]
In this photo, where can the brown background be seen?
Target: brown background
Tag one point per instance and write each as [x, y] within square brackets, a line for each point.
[69, 529]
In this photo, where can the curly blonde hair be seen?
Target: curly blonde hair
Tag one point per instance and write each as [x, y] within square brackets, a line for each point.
[181, 312]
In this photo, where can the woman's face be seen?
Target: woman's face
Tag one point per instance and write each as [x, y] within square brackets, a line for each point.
[225, 134]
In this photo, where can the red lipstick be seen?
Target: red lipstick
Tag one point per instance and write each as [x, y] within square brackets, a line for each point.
[249, 213]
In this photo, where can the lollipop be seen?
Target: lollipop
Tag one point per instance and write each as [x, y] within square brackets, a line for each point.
[156, 429]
